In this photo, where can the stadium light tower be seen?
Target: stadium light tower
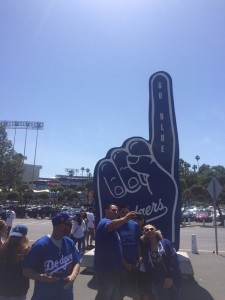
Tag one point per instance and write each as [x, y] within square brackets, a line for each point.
[27, 125]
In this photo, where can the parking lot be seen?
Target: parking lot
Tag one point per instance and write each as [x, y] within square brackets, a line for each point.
[205, 233]
[202, 214]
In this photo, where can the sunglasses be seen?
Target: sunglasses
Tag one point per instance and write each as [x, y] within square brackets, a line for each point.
[150, 229]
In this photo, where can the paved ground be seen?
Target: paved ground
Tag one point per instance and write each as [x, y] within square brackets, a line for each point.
[209, 277]
[208, 282]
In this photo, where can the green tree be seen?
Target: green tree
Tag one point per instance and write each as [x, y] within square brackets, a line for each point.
[28, 196]
[80, 188]
[82, 170]
[70, 197]
[67, 193]
[194, 167]
[43, 196]
[204, 169]
[218, 171]
[197, 157]
[58, 188]
[186, 197]
[194, 184]
[222, 180]
[183, 167]
[222, 196]
[196, 191]
[73, 195]
[191, 179]
[70, 172]
[22, 188]
[11, 163]
[13, 196]
[89, 186]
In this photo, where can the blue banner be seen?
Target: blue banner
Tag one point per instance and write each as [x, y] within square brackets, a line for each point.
[145, 173]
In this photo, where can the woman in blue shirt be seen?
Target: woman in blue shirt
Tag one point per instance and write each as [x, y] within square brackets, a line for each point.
[161, 263]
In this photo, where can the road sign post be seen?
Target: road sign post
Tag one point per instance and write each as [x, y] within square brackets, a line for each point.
[214, 188]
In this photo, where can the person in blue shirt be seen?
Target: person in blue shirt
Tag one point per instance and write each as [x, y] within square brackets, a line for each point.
[108, 262]
[53, 262]
[130, 240]
[13, 284]
[161, 264]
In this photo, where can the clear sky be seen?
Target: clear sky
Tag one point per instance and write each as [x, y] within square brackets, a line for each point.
[82, 67]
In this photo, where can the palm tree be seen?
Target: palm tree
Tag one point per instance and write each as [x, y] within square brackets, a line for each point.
[197, 157]
[82, 170]
[70, 172]
[87, 170]
[183, 166]
[186, 167]
[194, 167]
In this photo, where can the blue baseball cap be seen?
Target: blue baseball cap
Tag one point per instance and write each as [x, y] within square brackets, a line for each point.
[61, 218]
[19, 230]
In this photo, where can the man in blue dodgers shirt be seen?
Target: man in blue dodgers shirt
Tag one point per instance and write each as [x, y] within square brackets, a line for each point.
[53, 262]
[131, 251]
[108, 263]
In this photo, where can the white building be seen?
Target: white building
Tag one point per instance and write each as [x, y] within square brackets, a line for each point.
[31, 173]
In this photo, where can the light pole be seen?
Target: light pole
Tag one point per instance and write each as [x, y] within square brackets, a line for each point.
[31, 125]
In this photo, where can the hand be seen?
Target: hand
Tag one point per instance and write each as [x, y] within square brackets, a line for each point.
[130, 216]
[168, 282]
[72, 277]
[144, 173]
[70, 280]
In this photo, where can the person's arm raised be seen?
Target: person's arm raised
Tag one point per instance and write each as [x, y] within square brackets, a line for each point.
[117, 223]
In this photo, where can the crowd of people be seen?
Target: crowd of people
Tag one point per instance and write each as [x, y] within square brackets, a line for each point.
[131, 258]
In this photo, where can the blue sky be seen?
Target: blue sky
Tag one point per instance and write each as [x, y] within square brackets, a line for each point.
[82, 67]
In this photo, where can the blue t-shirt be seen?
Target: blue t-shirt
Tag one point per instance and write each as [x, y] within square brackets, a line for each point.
[108, 254]
[130, 237]
[45, 257]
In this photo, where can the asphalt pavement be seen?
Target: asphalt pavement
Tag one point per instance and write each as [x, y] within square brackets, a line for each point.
[208, 281]
[209, 277]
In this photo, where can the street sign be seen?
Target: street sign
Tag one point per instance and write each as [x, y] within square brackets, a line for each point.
[214, 188]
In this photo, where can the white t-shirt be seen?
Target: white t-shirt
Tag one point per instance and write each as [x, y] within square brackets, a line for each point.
[78, 230]
[10, 216]
[91, 219]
